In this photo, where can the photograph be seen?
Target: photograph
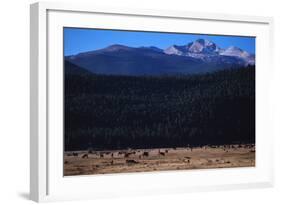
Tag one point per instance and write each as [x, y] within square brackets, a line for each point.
[150, 101]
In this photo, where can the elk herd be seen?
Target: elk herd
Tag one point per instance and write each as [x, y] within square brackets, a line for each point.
[115, 154]
[145, 153]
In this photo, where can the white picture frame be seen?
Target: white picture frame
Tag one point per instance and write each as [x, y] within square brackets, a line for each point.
[46, 179]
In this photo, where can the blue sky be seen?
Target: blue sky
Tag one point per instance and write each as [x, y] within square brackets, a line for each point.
[78, 40]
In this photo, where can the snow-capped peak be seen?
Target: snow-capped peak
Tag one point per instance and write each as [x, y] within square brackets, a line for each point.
[235, 51]
[203, 46]
[174, 50]
[207, 50]
[239, 53]
[200, 46]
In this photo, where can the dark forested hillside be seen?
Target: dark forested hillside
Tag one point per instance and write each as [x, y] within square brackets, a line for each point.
[117, 112]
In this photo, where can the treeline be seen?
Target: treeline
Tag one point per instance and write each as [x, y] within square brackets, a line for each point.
[118, 112]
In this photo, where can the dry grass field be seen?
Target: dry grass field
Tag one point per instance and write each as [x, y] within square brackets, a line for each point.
[143, 160]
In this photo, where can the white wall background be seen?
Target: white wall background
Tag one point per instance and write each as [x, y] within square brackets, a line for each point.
[14, 101]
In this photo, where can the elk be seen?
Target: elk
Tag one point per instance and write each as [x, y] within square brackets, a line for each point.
[162, 153]
[85, 156]
[127, 154]
[146, 154]
[131, 161]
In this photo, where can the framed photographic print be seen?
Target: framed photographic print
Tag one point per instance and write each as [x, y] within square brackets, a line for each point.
[128, 101]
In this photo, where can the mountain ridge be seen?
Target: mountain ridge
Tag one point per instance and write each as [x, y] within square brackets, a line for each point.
[199, 56]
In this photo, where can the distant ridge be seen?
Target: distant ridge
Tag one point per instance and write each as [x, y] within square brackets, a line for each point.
[200, 56]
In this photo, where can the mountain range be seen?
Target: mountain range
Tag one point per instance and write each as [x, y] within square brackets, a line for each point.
[200, 56]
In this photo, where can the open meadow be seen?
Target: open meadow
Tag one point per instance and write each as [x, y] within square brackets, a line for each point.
[145, 160]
